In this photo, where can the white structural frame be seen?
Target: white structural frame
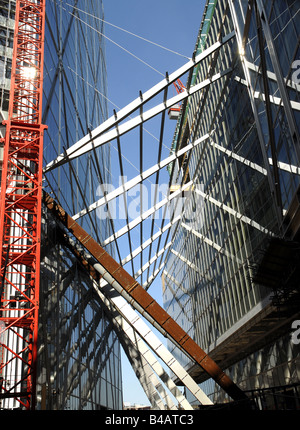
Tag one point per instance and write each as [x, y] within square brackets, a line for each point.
[100, 136]
[146, 374]
[157, 370]
[148, 336]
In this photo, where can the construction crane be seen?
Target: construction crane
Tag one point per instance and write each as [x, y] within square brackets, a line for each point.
[20, 208]
[173, 112]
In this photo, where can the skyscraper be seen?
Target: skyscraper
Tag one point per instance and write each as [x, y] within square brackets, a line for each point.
[79, 354]
[231, 274]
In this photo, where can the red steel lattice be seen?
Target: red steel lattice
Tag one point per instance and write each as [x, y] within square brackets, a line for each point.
[20, 209]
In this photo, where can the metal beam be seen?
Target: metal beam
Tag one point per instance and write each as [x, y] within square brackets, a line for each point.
[151, 260]
[272, 141]
[129, 331]
[140, 300]
[145, 214]
[210, 242]
[235, 213]
[239, 36]
[139, 178]
[148, 336]
[123, 318]
[291, 168]
[151, 278]
[261, 14]
[147, 242]
[100, 135]
[73, 153]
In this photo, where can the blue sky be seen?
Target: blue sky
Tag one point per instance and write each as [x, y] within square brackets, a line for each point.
[173, 24]
[170, 23]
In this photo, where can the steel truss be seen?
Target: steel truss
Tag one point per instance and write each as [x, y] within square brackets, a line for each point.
[20, 207]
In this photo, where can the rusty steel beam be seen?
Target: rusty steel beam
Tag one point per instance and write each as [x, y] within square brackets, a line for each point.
[141, 300]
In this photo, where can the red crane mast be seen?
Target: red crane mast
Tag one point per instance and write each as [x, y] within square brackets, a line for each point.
[20, 209]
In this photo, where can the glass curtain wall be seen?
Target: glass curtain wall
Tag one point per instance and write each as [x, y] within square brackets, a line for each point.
[208, 277]
[79, 355]
[80, 358]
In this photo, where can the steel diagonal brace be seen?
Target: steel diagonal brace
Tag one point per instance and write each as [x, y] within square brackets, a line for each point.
[136, 330]
[145, 340]
[133, 342]
[141, 300]
[149, 366]
[148, 380]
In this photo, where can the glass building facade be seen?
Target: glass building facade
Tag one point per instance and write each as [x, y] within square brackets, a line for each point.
[79, 364]
[222, 277]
